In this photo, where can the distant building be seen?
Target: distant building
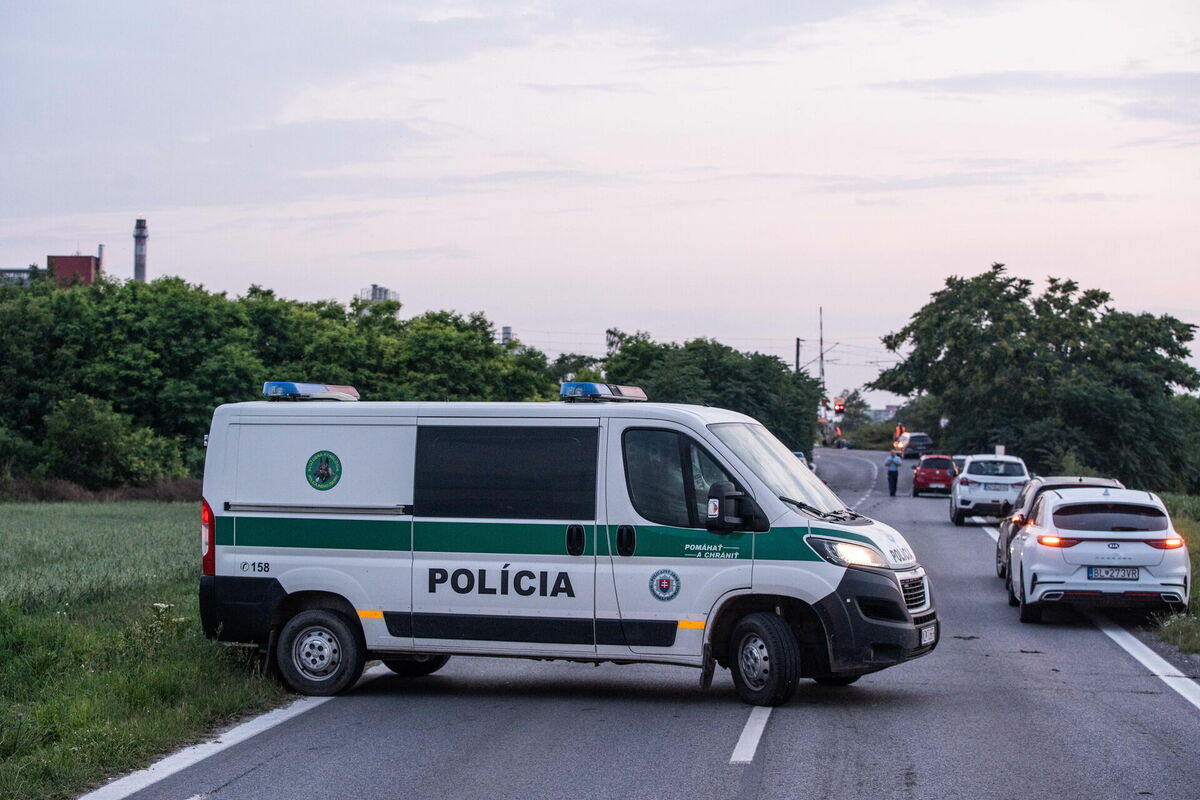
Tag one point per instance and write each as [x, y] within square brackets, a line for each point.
[69, 270]
[376, 293]
[20, 276]
[883, 414]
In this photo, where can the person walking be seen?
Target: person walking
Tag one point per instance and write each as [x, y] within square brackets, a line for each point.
[893, 470]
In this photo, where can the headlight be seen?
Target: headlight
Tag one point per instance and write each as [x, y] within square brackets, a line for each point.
[846, 554]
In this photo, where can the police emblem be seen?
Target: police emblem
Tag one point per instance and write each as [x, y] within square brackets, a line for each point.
[323, 470]
[664, 584]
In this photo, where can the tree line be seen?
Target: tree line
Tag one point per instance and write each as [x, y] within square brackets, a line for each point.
[1059, 377]
[114, 384]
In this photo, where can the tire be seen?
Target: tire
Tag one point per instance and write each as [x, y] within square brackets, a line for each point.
[1030, 612]
[320, 653]
[1001, 567]
[915, 492]
[836, 680]
[764, 658]
[416, 666]
[1012, 597]
[958, 518]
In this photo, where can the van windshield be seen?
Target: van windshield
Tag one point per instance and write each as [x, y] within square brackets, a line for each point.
[775, 465]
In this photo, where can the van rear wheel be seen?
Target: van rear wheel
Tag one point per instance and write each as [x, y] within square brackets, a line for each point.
[764, 658]
[319, 653]
[416, 666]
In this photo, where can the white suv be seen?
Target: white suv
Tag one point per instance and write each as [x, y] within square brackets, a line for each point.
[986, 486]
[1099, 546]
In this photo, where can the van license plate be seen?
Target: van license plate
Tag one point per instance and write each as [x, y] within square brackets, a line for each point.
[1112, 573]
[928, 634]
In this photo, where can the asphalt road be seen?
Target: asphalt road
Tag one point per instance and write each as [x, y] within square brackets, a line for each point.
[999, 710]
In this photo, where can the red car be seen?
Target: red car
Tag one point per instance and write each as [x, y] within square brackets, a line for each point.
[933, 474]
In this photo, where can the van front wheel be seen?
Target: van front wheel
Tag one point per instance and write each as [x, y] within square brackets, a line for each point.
[765, 659]
[319, 653]
[416, 666]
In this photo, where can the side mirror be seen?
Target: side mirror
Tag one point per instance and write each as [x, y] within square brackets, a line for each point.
[730, 510]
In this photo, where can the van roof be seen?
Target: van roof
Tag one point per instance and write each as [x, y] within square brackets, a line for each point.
[677, 412]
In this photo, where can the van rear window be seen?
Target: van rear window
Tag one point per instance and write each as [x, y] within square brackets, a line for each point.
[506, 472]
[1109, 518]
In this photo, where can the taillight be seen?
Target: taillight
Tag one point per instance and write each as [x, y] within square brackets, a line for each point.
[208, 539]
[1174, 543]
[1058, 541]
[1020, 483]
[964, 481]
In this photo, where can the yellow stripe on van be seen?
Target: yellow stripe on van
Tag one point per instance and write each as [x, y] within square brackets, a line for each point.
[370, 614]
[691, 624]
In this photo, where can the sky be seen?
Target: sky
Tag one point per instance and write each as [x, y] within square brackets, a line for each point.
[684, 167]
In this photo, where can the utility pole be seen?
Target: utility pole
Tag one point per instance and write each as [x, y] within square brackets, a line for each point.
[798, 341]
[821, 319]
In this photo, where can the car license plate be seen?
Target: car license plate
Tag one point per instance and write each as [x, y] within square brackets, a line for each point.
[929, 634]
[937, 486]
[1112, 573]
[995, 487]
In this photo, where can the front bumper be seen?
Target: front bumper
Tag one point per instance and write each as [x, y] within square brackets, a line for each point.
[870, 626]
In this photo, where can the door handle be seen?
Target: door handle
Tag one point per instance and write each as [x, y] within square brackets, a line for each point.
[576, 540]
[626, 540]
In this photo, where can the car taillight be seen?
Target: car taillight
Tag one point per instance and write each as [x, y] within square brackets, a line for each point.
[208, 539]
[1058, 541]
[1173, 543]
[1020, 483]
[966, 482]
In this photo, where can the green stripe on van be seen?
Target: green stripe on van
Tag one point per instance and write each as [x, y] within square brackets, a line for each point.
[783, 544]
[516, 538]
[223, 530]
[330, 534]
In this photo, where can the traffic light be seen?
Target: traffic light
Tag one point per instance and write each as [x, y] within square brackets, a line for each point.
[839, 405]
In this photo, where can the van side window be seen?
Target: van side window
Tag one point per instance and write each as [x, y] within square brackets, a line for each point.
[506, 472]
[668, 476]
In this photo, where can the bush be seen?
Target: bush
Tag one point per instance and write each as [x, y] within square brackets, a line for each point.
[89, 443]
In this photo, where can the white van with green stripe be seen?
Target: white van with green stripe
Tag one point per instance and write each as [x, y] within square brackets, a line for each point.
[589, 530]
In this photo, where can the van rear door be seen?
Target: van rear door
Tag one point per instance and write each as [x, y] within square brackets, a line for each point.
[325, 504]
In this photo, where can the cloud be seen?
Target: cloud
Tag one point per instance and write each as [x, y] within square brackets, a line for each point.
[446, 251]
[1167, 96]
[582, 88]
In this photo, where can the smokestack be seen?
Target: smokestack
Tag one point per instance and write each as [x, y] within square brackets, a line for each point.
[99, 257]
[140, 235]
[506, 334]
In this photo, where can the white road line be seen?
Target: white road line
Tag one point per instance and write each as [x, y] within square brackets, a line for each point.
[992, 532]
[189, 756]
[747, 743]
[874, 477]
[1158, 666]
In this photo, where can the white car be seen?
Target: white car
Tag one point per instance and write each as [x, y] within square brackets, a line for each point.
[986, 486]
[1100, 546]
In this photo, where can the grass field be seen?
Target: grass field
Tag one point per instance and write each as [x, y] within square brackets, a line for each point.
[102, 660]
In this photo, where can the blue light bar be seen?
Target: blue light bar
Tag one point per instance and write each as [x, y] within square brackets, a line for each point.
[290, 390]
[586, 390]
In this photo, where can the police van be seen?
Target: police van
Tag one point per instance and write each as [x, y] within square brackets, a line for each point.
[601, 528]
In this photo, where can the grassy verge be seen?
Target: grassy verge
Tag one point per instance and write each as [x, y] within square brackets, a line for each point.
[102, 660]
[1183, 630]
